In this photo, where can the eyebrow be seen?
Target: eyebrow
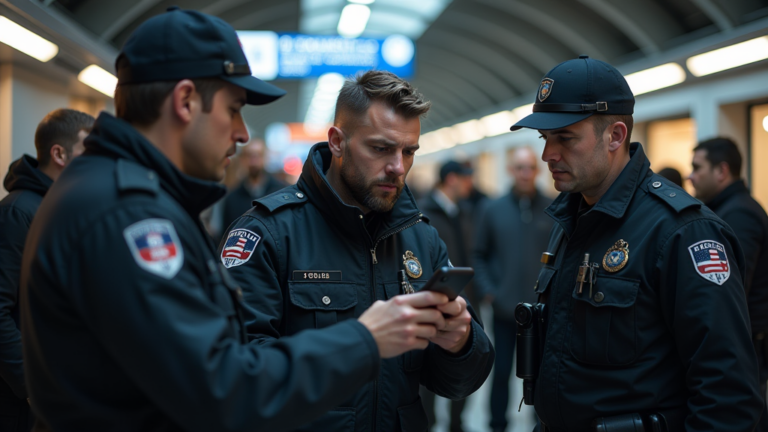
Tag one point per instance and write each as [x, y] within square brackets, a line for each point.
[242, 101]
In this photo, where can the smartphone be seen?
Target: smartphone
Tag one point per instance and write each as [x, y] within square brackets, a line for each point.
[449, 281]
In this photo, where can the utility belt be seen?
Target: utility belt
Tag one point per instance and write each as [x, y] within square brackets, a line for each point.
[662, 421]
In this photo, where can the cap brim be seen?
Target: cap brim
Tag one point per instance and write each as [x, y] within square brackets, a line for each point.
[550, 120]
[259, 92]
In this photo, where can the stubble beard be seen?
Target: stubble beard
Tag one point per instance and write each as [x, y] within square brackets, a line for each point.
[362, 191]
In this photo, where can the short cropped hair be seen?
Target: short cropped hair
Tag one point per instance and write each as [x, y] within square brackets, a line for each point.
[600, 123]
[721, 150]
[139, 104]
[357, 94]
[61, 127]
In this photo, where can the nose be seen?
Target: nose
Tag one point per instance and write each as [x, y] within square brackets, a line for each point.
[395, 167]
[550, 153]
[239, 131]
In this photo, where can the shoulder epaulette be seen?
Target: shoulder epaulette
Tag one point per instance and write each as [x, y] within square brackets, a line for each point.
[281, 198]
[134, 177]
[673, 196]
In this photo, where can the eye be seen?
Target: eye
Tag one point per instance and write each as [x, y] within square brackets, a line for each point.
[542, 137]
[409, 152]
[381, 149]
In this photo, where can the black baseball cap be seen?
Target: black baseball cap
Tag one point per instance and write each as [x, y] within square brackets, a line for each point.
[575, 90]
[454, 167]
[187, 44]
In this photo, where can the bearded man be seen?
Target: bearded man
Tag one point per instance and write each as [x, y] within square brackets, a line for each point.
[324, 250]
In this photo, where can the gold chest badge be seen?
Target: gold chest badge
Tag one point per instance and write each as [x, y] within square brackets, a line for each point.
[616, 257]
[412, 265]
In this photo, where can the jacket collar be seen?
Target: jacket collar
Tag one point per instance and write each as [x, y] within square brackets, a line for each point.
[25, 174]
[114, 138]
[615, 201]
[315, 184]
[733, 189]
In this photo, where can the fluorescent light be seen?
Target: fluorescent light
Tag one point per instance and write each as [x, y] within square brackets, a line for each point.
[655, 78]
[365, 2]
[323, 103]
[25, 41]
[729, 57]
[99, 79]
[497, 124]
[468, 131]
[354, 18]
[765, 123]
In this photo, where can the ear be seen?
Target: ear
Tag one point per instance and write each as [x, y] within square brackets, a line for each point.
[722, 171]
[618, 134]
[59, 155]
[185, 101]
[336, 141]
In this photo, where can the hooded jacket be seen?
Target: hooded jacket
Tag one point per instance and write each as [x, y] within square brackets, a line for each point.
[306, 260]
[26, 186]
[130, 324]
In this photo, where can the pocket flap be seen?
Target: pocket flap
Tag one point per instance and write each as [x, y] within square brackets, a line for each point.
[610, 291]
[332, 296]
[545, 277]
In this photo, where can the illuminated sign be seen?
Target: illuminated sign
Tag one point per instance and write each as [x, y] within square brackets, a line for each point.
[296, 56]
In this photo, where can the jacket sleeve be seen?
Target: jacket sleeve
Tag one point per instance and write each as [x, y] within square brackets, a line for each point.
[456, 376]
[708, 317]
[180, 348]
[13, 232]
[481, 254]
[258, 278]
[749, 231]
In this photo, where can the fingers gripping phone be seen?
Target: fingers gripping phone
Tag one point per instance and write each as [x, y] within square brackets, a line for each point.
[449, 281]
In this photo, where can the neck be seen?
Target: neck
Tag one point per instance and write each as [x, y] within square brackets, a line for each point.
[527, 193]
[166, 140]
[594, 195]
[51, 170]
[337, 184]
[448, 193]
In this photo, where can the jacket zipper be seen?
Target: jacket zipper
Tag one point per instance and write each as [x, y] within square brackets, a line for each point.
[390, 234]
[373, 299]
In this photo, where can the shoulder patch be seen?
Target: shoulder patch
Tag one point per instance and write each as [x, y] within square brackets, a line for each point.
[710, 261]
[134, 177]
[678, 199]
[155, 246]
[281, 198]
[239, 247]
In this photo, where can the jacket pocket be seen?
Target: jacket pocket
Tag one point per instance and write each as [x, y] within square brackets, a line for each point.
[322, 304]
[339, 419]
[412, 417]
[604, 325]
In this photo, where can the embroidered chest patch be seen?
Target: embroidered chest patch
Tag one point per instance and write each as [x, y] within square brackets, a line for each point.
[239, 247]
[710, 261]
[155, 246]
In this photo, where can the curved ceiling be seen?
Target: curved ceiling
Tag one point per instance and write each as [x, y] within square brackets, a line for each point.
[474, 56]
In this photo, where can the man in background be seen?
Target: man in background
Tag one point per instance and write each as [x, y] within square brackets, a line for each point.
[58, 139]
[256, 184]
[452, 218]
[716, 177]
[511, 232]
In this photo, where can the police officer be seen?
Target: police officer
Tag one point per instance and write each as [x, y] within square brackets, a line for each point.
[320, 252]
[129, 323]
[646, 320]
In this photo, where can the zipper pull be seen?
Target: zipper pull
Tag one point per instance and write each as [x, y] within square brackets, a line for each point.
[373, 254]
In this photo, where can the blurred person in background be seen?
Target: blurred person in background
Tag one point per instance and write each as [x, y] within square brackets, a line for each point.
[510, 233]
[452, 218]
[672, 175]
[716, 177]
[58, 140]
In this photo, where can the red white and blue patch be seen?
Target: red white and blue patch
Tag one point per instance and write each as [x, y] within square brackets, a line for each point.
[710, 261]
[155, 247]
[239, 247]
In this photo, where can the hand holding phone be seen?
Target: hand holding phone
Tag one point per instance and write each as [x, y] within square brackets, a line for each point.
[450, 281]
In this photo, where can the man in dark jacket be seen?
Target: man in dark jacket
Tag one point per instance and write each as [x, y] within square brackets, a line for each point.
[645, 321]
[257, 183]
[716, 176]
[129, 323]
[510, 231]
[322, 251]
[58, 139]
[452, 218]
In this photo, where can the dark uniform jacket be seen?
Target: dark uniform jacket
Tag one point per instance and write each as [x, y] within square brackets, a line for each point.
[315, 264]
[130, 324]
[748, 220]
[26, 185]
[240, 199]
[667, 332]
[508, 243]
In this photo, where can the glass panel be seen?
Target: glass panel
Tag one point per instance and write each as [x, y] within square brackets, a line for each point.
[759, 153]
[670, 145]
